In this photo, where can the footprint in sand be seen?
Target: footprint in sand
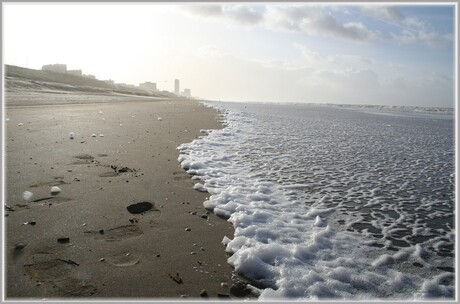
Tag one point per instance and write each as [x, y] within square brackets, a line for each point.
[122, 260]
[83, 159]
[181, 175]
[117, 233]
[61, 276]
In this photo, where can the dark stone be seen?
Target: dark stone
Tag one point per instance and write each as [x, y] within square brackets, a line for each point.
[63, 240]
[240, 290]
[139, 207]
[203, 293]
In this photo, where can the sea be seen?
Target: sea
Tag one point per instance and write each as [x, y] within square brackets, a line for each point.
[333, 201]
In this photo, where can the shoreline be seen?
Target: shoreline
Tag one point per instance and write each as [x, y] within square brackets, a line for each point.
[84, 242]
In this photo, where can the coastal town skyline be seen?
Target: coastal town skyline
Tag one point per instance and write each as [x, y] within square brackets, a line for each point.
[401, 54]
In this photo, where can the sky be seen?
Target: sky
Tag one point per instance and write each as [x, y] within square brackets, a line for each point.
[385, 54]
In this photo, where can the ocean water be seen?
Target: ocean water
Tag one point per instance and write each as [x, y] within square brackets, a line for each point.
[333, 202]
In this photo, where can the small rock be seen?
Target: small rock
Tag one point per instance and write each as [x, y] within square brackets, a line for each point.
[193, 253]
[63, 240]
[20, 124]
[55, 190]
[84, 224]
[203, 293]
[188, 229]
[223, 284]
[101, 231]
[71, 135]
[101, 135]
[204, 216]
[93, 135]
[27, 195]
[158, 255]
[19, 246]
[101, 260]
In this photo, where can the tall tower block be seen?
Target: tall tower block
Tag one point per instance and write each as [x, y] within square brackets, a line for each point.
[176, 87]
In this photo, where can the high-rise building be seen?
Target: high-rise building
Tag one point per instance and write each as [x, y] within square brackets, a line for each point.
[176, 87]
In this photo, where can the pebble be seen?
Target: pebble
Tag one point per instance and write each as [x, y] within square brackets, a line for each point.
[188, 229]
[63, 240]
[19, 246]
[193, 253]
[55, 190]
[101, 260]
[203, 293]
[93, 135]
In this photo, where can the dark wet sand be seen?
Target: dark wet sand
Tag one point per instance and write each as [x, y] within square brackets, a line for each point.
[104, 250]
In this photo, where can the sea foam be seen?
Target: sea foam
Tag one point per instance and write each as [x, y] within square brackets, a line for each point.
[318, 208]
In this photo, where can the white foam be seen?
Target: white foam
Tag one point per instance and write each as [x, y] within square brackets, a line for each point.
[280, 183]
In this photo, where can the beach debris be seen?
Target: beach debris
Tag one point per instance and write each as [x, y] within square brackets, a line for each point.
[71, 135]
[20, 124]
[93, 135]
[176, 278]
[19, 246]
[203, 293]
[27, 195]
[101, 135]
[8, 207]
[240, 290]
[63, 240]
[69, 262]
[139, 207]
[55, 190]
[188, 229]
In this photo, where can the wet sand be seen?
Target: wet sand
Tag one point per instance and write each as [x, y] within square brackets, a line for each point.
[85, 241]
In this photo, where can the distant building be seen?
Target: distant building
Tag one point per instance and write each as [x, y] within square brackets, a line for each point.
[110, 81]
[89, 76]
[148, 86]
[75, 72]
[57, 68]
[187, 93]
[176, 87]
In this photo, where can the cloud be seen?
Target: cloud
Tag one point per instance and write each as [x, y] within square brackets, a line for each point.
[314, 21]
[205, 10]
[383, 12]
[409, 29]
[241, 14]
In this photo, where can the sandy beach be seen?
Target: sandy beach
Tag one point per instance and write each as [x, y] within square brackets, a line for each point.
[84, 241]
